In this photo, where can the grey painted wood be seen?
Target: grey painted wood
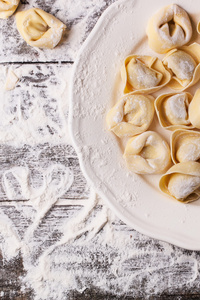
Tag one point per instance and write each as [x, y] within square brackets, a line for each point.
[146, 252]
[13, 50]
[37, 158]
[36, 82]
[79, 17]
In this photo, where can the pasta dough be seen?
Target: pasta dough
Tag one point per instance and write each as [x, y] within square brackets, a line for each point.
[11, 81]
[139, 76]
[185, 146]
[131, 115]
[198, 27]
[144, 74]
[7, 8]
[194, 110]
[184, 65]
[147, 153]
[173, 110]
[182, 181]
[39, 29]
[169, 28]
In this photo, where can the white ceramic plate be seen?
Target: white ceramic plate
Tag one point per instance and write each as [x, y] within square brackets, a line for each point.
[95, 88]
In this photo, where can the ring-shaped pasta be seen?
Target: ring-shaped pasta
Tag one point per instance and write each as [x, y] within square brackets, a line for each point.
[147, 153]
[185, 146]
[169, 28]
[131, 115]
[173, 110]
[39, 28]
[184, 63]
[144, 74]
[7, 8]
[182, 181]
[194, 110]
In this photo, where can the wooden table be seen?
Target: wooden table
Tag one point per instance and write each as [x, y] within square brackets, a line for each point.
[161, 271]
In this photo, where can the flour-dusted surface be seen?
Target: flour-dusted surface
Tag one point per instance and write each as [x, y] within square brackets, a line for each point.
[79, 17]
[75, 247]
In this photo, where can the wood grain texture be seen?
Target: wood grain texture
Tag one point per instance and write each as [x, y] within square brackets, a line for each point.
[79, 19]
[34, 83]
[10, 280]
[37, 159]
[146, 253]
[37, 109]
[41, 90]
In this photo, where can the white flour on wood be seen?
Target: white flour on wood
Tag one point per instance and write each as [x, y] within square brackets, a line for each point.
[93, 249]
[67, 249]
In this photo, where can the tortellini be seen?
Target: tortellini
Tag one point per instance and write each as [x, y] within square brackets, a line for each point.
[131, 115]
[185, 146]
[169, 28]
[39, 29]
[198, 27]
[182, 181]
[184, 63]
[147, 153]
[144, 74]
[7, 8]
[194, 110]
[173, 110]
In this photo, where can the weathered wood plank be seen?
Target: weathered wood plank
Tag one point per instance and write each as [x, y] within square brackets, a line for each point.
[34, 115]
[172, 271]
[36, 110]
[168, 268]
[10, 280]
[37, 160]
[79, 17]
[98, 295]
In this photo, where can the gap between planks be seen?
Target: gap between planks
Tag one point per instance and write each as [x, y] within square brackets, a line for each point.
[35, 62]
[60, 202]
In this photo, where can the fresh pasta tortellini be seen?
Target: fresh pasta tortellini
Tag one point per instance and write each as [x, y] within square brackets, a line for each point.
[185, 146]
[173, 110]
[182, 181]
[39, 29]
[144, 74]
[194, 110]
[7, 8]
[198, 27]
[147, 153]
[184, 63]
[131, 115]
[169, 28]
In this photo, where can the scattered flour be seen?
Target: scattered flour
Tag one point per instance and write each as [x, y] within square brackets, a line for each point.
[117, 117]
[93, 249]
[35, 113]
